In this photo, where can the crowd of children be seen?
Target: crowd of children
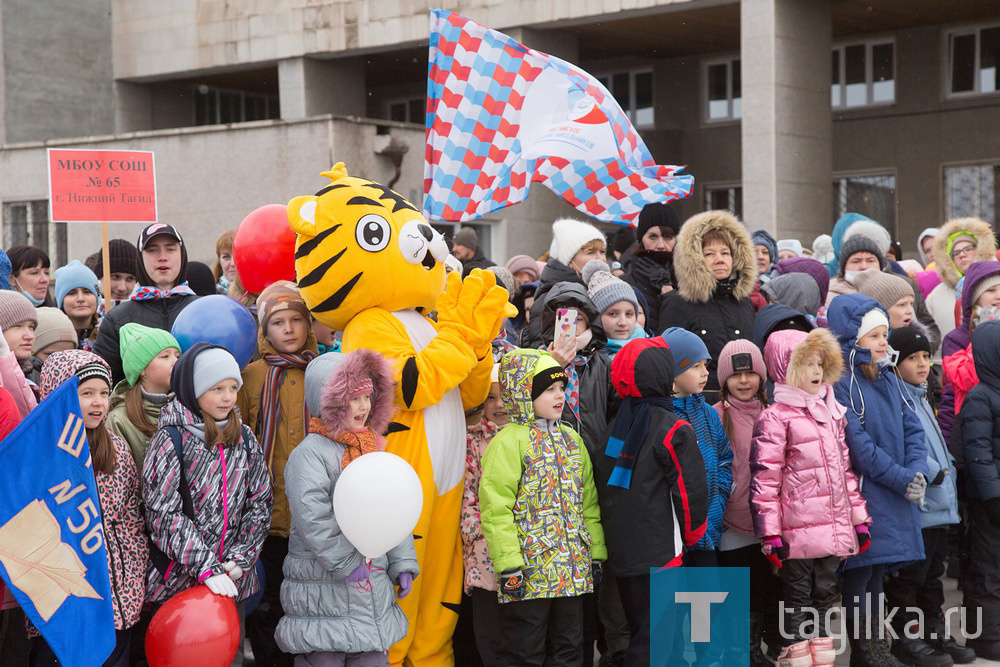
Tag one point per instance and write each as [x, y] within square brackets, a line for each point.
[690, 394]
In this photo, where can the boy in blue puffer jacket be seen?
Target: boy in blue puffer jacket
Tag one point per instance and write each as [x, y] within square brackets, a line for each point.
[919, 585]
[690, 376]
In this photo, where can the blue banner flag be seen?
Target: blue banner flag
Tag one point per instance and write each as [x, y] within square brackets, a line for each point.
[52, 553]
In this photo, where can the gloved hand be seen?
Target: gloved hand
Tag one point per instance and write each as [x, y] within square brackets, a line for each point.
[513, 584]
[360, 573]
[993, 509]
[233, 570]
[864, 537]
[405, 582]
[221, 584]
[597, 570]
[775, 550]
[916, 489]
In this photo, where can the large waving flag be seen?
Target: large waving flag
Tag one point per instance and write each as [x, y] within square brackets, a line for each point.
[52, 553]
[501, 116]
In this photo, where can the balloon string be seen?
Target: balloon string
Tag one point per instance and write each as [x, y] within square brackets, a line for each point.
[366, 585]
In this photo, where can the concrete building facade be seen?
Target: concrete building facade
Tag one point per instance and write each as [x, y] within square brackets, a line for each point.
[788, 112]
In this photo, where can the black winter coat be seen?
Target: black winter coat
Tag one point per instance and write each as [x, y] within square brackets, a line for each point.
[478, 261]
[979, 418]
[156, 313]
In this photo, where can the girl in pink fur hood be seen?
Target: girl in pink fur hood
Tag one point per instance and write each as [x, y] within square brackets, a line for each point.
[804, 497]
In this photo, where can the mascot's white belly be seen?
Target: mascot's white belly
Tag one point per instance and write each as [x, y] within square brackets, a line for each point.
[444, 423]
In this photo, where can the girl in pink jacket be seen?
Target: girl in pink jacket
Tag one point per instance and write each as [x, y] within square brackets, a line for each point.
[804, 497]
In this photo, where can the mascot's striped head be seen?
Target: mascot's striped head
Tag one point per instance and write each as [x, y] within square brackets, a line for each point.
[361, 245]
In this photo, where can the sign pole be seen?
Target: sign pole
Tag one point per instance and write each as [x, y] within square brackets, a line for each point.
[106, 256]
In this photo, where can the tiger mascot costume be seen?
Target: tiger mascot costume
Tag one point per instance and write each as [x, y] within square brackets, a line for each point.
[368, 264]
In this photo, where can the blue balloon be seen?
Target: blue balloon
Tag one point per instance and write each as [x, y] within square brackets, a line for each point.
[220, 320]
[255, 599]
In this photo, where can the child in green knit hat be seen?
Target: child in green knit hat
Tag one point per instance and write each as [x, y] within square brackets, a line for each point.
[148, 356]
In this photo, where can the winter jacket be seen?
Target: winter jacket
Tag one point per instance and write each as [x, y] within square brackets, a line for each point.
[231, 491]
[119, 423]
[803, 488]
[478, 261]
[10, 417]
[959, 369]
[537, 497]
[717, 457]
[322, 611]
[940, 506]
[478, 567]
[743, 415]
[979, 419]
[156, 313]
[885, 439]
[666, 500]
[554, 273]
[13, 379]
[941, 300]
[124, 535]
[718, 311]
[921, 315]
[287, 434]
[775, 317]
[598, 400]
[648, 272]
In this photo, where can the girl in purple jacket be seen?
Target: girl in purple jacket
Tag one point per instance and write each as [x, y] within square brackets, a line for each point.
[804, 497]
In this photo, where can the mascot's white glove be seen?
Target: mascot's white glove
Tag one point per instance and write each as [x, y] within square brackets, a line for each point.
[233, 570]
[221, 584]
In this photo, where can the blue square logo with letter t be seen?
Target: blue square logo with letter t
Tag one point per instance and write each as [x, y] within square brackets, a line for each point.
[699, 615]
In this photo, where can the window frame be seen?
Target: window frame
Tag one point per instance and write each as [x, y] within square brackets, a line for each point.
[961, 31]
[57, 233]
[405, 101]
[732, 187]
[842, 176]
[946, 166]
[604, 77]
[705, 102]
[869, 44]
[245, 98]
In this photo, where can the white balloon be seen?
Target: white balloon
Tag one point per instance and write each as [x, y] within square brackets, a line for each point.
[377, 502]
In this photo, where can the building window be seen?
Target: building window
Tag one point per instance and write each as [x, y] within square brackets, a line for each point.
[872, 195]
[413, 110]
[723, 88]
[863, 75]
[972, 191]
[973, 59]
[633, 90]
[27, 223]
[724, 198]
[217, 106]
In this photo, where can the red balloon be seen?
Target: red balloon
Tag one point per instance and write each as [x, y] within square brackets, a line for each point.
[264, 248]
[195, 627]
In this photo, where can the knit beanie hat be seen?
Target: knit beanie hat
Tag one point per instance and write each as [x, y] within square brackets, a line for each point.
[6, 268]
[795, 290]
[762, 237]
[505, 279]
[604, 288]
[61, 366]
[981, 287]
[810, 267]
[872, 319]
[871, 230]
[124, 258]
[623, 239]
[519, 263]
[278, 296]
[657, 214]
[856, 244]
[467, 238]
[74, 275]
[364, 387]
[139, 345]
[791, 244]
[569, 235]
[687, 348]
[201, 279]
[213, 366]
[823, 248]
[885, 288]
[54, 326]
[14, 308]
[547, 372]
[740, 356]
[182, 377]
[908, 340]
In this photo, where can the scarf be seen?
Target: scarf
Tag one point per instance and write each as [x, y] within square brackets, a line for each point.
[358, 443]
[628, 431]
[573, 383]
[197, 429]
[149, 293]
[614, 345]
[269, 415]
[823, 407]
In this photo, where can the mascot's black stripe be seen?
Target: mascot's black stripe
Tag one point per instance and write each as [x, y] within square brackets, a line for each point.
[362, 201]
[329, 188]
[314, 242]
[396, 427]
[319, 272]
[337, 298]
[411, 375]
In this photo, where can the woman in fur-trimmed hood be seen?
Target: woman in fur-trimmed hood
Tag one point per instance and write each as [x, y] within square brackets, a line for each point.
[711, 300]
[956, 236]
